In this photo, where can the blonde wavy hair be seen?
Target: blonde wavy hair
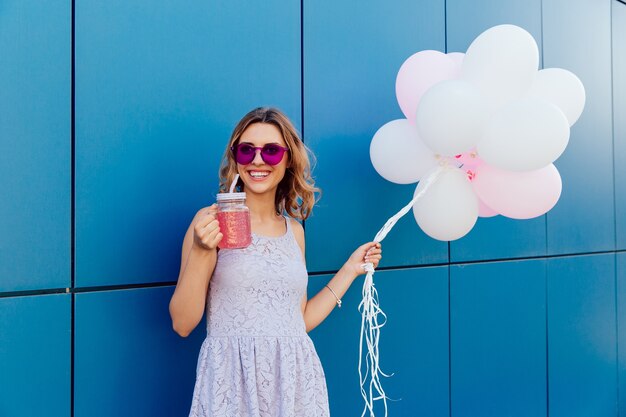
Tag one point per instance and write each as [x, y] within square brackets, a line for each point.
[296, 192]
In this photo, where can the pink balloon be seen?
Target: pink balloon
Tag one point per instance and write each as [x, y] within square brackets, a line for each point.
[484, 211]
[518, 195]
[418, 73]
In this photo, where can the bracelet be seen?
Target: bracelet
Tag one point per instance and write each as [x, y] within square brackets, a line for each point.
[338, 300]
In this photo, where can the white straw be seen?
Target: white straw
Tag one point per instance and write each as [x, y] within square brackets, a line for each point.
[232, 186]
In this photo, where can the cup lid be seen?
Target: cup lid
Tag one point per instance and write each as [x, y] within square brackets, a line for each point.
[231, 196]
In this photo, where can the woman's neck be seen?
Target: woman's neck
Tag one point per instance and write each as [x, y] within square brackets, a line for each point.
[262, 207]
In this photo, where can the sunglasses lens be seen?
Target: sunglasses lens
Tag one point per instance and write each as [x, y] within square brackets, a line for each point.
[244, 154]
[272, 154]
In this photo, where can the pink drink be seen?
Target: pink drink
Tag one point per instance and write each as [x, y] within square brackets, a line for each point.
[235, 226]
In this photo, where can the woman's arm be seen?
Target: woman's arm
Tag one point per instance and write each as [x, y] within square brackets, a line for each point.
[198, 259]
[319, 307]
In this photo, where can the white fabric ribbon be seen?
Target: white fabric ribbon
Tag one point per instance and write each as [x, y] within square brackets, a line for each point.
[370, 312]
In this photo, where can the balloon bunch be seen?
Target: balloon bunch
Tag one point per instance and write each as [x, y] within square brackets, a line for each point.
[482, 130]
[487, 123]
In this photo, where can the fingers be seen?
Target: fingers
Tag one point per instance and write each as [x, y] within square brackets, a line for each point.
[375, 248]
[212, 229]
[215, 240]
[207, 228]
[205, 221]
[374, 254]
[373, 258]
[369, 245]
[210, 238]
[208, 215]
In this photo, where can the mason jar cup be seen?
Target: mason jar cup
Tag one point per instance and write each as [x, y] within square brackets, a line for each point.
[234, 218]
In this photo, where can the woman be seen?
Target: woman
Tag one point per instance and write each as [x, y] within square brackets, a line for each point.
[257, 359]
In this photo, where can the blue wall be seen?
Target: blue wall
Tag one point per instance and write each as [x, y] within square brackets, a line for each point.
[110, 143]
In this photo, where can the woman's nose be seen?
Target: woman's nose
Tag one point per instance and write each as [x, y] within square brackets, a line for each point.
[258, 159]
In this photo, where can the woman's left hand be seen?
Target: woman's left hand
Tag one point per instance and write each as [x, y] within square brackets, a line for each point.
[369, 252]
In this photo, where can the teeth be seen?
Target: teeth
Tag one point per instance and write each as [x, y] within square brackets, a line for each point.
[259, 174]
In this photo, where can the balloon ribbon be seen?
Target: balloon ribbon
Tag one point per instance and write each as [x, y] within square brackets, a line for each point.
[370, 312]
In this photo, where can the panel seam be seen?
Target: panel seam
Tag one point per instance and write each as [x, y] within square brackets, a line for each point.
[72, 205]
[617, 379]
[302, 81]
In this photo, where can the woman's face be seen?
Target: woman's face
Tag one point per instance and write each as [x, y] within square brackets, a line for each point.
[260, 134]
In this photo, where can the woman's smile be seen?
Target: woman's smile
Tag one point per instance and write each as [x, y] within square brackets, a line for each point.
[258, 175]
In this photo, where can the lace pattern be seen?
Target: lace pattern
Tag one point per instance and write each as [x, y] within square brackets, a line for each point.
[257, 359]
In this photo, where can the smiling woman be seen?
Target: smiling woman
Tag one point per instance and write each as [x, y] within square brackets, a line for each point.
[260, 156]
[257, 359]
[259, 129]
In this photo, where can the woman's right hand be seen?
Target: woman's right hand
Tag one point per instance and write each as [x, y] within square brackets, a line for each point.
[206, 231]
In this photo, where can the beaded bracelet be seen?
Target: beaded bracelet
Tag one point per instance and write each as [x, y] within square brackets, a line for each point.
[338, 300]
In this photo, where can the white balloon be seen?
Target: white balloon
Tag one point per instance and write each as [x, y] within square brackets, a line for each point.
[449, 208]
[451, 117]
[502, 62]
[457, 58]
[561, 88]
[524, 135]
[398, 154]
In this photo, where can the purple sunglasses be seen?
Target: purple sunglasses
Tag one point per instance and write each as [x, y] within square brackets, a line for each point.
[271, 153]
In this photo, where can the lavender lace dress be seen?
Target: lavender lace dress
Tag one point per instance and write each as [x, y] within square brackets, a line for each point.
[257, 359]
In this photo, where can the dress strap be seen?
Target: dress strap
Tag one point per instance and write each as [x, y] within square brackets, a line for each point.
[288, 223]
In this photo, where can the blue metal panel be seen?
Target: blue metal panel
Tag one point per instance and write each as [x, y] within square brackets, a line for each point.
[413, 344]
[495, 238]
[466, 20]
[35, 355]
[128, 360]
[582, 336]
[352, 56]
[35, 144]
[159, 88]
[500, 237]
[577, 36]
[498, 339]
[619, 119]
[621, 327]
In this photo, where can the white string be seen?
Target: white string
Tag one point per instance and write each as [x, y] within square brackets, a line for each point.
[370, 310]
